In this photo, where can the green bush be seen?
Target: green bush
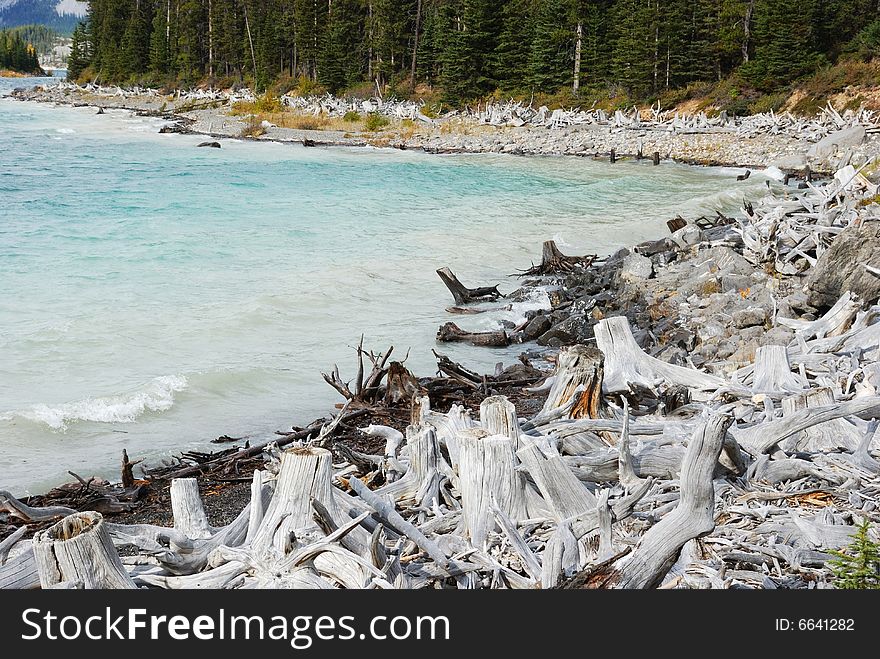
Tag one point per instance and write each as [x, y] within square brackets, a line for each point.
[375, 121]
[858, 566]
[351, 116]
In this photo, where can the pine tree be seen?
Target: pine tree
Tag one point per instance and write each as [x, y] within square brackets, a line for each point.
[341, 63]
[858, 567]
[548, 64]
[783, 43]
[511, 57]
[80, 52]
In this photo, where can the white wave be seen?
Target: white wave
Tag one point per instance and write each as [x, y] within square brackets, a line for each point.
[65, 131]
[774, 173]
[560, 241]
[156, 396]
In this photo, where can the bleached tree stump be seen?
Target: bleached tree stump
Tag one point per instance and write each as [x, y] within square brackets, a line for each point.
[79, 549]
[189, 513]
[773, 371]
[627, 365]
[498, 417]
[488, 475]
[304, 474]
[421, 482]
[577, 367]
[827, 436]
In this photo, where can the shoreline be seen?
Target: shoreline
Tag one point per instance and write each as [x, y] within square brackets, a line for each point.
[702, 299]
[708, 147]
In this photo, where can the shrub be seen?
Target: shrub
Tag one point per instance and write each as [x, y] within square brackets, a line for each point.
[351, 116]
[858, 566]
[375, 121]
[253, 127]
[268, 103]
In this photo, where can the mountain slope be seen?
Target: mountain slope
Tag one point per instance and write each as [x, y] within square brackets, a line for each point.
[61, 15]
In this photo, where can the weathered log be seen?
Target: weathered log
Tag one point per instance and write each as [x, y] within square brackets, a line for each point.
[30, 514]
[189, 513]
[834, 323]
[827, 436]
[579, 372]
[628, 366]
[464, 295]
[10, 542]
[393, 519]
[761, 437]
[560, 488]
[20, 571]
[450, 332]
[79, 548]
[488, 476]
[692, 518]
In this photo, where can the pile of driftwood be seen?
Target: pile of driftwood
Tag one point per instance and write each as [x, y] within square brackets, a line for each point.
[792, 233]
[635, 473]
[827, 121]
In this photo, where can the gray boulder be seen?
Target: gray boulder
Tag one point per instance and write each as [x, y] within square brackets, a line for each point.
[636, 266]
[749, 317]
[841, 267]
[838, 141]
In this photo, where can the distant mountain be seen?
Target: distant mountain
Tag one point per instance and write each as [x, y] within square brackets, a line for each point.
[62, 15]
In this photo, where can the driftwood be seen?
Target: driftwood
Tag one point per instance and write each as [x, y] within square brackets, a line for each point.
[692, 518]
[79, 548]
[628, 366]
[464, 295]
[450, 332]
[579, 376]
[553, 261]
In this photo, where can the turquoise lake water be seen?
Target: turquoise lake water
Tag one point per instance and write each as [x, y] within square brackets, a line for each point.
[154, 296]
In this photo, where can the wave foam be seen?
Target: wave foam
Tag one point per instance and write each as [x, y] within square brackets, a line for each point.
[156, 396]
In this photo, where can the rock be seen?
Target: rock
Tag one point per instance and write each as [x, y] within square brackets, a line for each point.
[636, 266]
[711, 330]
[749, 317]
[536, 327]
[841, 267]
[687, 236]
[795, 162]
[684, 339]
[652, 247]
[574, 329]
[731, 283]
[673, 354]
[837, 141]
[730, 261]
[210, 145]
[777, 336]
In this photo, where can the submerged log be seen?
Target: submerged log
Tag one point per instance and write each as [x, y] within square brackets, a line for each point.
[464, 295]
[450, 332]
[79, 548]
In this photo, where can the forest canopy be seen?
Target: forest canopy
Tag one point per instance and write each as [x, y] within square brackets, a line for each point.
[468, 49]
[17, 53]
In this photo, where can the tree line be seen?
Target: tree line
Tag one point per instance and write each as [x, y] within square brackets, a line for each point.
[467, 48]
[17, 53]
